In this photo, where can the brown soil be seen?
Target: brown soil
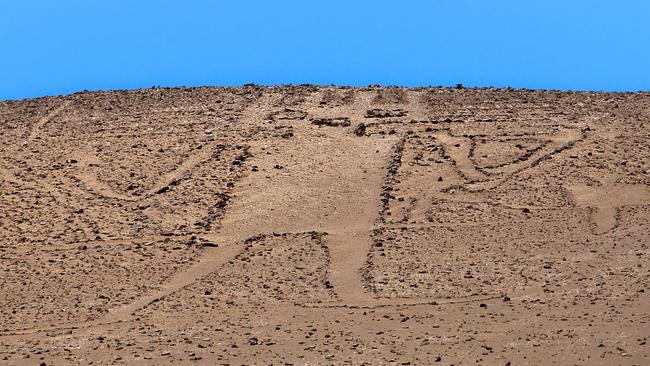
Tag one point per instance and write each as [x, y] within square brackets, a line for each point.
[302, 225]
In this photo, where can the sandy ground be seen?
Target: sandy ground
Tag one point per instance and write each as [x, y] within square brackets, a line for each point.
[304, 225]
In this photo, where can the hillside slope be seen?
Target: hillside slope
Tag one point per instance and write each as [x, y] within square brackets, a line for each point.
[325, 225]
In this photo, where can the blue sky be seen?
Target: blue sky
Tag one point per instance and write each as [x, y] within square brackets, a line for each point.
[59, 47]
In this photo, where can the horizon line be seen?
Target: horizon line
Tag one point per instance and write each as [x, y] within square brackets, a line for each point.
[458, 86]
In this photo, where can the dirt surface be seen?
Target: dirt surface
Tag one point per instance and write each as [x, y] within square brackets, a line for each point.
[303, 225]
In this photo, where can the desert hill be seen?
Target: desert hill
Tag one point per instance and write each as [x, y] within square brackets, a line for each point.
[325, 225]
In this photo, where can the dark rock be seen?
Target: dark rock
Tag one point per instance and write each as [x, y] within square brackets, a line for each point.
[210, 244]
[360, 130]
[163, 190]
[332, 122]
[385, 113]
